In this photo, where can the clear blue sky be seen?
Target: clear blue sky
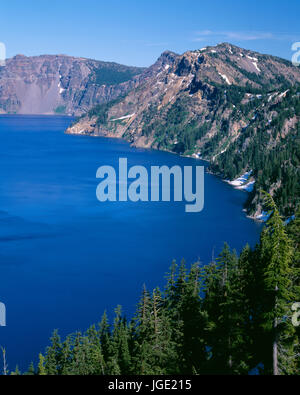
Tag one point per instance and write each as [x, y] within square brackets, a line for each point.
[136, 32]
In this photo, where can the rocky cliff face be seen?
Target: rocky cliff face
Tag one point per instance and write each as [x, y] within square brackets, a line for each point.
[228, 105]
[204, 84]
[61, 84]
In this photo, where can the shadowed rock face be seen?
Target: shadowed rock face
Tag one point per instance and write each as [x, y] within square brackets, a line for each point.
[61, 84]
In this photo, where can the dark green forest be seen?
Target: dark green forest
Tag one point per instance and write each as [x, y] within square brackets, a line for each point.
[272, 155]
[114, 74]
[233, 316]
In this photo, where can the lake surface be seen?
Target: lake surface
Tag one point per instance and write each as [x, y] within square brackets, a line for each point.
[65, 257]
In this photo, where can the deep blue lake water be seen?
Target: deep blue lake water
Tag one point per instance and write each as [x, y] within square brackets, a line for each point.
[65, 257]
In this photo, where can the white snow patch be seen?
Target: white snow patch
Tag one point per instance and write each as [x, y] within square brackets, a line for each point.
[167, 67]
[196, 156]
[250, 57]
[61, 90]
[255, 65]
[264, 216]
[241, 180]
[121, 118]
[283, 94]
[248, 187]
[225, 78]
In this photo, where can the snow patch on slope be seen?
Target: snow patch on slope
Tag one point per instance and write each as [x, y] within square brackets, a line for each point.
[241, 180]
[248, 187]
[61, 90]
[283, 94]
[251, 58]
[225, 78]
[121, 118]
[264, 216]
[255, 65]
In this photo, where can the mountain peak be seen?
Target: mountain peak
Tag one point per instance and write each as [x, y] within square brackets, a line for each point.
[19, 56]
[168, 56]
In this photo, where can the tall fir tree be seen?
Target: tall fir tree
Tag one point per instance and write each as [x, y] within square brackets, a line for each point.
[276, 270]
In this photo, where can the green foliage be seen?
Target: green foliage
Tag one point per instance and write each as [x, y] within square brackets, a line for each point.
[31, 370]
[225, 318]
[41, 366]
[101, 111]
[60, 110]
[172, 129]
[278, 288]
[114, 74]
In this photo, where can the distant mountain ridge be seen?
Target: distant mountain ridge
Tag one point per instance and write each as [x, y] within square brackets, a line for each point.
[50, 84]
[236, 108]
